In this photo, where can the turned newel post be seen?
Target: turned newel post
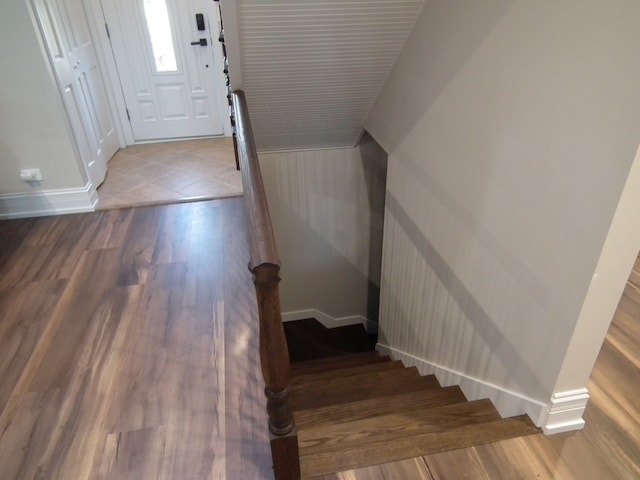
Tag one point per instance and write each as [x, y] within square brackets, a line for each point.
[274, 360]
[274, 354]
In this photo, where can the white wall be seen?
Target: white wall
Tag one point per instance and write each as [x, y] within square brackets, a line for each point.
[606, 287]
[33, 126]
[511, 127]
[311, 70]
[320, 211]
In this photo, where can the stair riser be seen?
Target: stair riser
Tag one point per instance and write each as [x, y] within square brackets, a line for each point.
[316, 398]
[345, 373]
[343, 361]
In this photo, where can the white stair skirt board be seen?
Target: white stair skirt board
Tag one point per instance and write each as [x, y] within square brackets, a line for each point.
[328, 321]
[41, 203]
[562, 414]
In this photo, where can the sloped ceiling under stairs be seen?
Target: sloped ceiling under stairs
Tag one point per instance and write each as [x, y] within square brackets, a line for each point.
[312, 69]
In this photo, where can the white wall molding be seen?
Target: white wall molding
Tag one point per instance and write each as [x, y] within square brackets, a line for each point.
[48, 202]
[507, 402]
[564, 412]
[328, 321]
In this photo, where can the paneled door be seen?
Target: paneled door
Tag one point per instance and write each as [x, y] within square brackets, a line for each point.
[66, 34]
[170, 66]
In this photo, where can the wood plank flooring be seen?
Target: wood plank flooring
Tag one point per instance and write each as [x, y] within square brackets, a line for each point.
[607, 449]
[128, 350]
[128, 347]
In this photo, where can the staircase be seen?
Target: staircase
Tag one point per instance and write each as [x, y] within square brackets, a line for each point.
[358, 409]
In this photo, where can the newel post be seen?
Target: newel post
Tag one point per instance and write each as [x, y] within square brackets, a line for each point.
[274, 359]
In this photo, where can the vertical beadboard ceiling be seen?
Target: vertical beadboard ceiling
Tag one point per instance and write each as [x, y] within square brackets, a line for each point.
[312, 69]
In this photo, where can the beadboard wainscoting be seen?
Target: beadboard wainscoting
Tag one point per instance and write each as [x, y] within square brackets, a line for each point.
[327, 211]
[312, 70]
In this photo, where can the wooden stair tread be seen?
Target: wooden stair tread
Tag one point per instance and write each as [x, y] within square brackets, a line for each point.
[374, 384]
[363, 409]
[347, 372]
[339, 361]
[394, 426]
[382, 450]
[370, 407]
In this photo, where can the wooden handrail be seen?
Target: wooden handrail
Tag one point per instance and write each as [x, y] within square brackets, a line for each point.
[265, 267]
[262, 241]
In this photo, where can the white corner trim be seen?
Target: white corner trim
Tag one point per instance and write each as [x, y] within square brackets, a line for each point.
[507, 402]
[48, 202]
[564, 412]
[328, 321]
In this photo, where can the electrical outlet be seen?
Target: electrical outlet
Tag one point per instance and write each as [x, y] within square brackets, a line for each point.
[31, 175]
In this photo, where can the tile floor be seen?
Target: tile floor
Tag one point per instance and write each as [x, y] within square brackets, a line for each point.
[170, 172]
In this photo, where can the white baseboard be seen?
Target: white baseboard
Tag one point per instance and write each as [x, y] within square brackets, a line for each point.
[328, 321]
[48, 202]
[564, 412]
[507, 402]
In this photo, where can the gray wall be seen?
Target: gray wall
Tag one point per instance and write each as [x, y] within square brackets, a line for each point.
[326, 208]
[511, 127]
[33, 126]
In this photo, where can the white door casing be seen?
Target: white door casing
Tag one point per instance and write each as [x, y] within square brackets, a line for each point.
[65, 30]
[186, 100]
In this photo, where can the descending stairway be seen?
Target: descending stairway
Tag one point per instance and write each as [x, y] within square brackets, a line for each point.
[364, 409]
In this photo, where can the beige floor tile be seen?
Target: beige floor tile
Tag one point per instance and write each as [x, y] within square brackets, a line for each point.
[231, 176]
[203, 188]
[148, 194]
[116, 184]
[111, 202]
[170, 172]
[175, 181]
[150, 173]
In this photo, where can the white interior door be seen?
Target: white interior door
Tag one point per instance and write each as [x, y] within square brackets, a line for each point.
[171, 85]
[65, 30]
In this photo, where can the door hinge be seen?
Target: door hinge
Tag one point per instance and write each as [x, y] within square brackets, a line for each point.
[106, 27]
[128, 116]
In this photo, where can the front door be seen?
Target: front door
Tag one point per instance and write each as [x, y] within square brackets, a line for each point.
[170, 66]
[65, 30]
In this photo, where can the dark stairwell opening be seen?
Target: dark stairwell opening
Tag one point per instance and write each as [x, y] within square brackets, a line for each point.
[308, 339]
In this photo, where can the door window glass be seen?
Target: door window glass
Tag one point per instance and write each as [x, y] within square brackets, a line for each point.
[160, 31]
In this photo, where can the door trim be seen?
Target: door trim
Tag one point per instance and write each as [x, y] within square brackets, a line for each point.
[109, 71]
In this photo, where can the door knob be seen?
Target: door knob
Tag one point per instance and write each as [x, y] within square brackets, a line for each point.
[202, 42]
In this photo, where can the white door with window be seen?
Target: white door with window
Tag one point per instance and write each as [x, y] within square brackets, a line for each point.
[65, 30]
[170, 66]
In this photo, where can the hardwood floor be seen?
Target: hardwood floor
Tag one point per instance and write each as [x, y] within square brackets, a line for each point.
[607, 449]
[128, 350]
[128, 347]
